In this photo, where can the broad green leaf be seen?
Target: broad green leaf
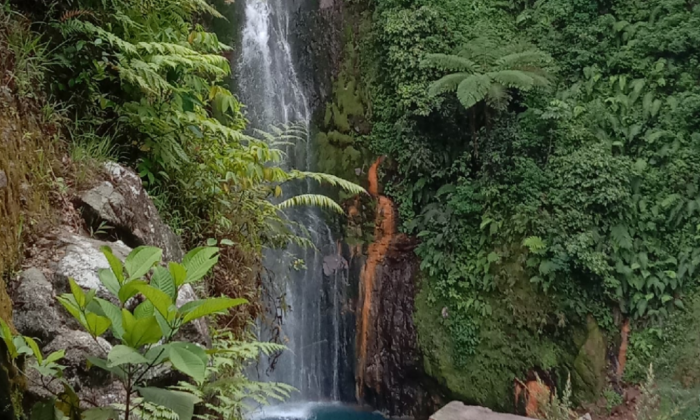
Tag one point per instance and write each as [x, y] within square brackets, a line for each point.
[199, 308]
[55, 356]
[139, 332]
[188, 362]
[164, 325]
[114, 314]
[114, 263]
[102, 364]
[7, 338]
[199, 261]
[140, 261]
[68, 401]
[68, 302]
[96, 324]
[121, 355]
[157, 354]
[178, 272]
[227, 242]
[46, 410]
[35, 349]
[181, 403]
[163, 280]
[102, 413]
[158, 298]
[144, 310]
[109, 281]
[22, 346]
[78, 293]
[129, 290]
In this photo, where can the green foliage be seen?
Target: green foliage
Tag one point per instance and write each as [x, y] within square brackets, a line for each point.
[228, 393]
[484, 70]
[585, 191]
[146, 332]
[155, 86]
[558, 407]
[612, 399]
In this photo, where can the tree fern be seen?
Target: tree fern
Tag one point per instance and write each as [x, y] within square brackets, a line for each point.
[450, 62]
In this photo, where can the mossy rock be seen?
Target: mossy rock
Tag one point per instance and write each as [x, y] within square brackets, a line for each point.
[502, 349]
[588, 376]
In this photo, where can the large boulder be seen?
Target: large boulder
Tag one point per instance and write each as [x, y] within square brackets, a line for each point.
[82, 260]
[123, 203]
[456, 410]
[36, 313]
[94, 386]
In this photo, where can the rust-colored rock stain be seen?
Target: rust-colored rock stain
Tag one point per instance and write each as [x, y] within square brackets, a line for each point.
[384, 232]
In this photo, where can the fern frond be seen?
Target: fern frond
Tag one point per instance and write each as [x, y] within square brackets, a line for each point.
[513, 79]
[447, 83]
[473, 90]
[335, 181]
[72, 14]
[315, 200]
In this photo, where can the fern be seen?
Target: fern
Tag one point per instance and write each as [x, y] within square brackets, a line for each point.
[447, 83]
[227, 393]
[315, 200]
[473, 89]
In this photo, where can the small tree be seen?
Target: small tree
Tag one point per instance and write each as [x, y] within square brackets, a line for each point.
[145, 332]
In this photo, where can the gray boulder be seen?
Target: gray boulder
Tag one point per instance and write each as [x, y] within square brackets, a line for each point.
[456, 410]
[78, 346]
[122, 203]
[94, 386]
[36, 314]
[82, 261]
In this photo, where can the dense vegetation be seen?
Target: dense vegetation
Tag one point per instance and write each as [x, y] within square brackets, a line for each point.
[546, 154]
[144, 84]
[555, 194]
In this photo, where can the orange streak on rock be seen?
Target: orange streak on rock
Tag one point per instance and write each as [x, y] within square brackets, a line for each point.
[622, 355]
[537, 393]
[384, 232]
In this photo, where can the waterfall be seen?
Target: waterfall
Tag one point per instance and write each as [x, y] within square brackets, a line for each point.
[311, 328]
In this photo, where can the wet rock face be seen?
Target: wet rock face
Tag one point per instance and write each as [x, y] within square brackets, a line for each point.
[389, 370]
[392, 378]
[122, 203]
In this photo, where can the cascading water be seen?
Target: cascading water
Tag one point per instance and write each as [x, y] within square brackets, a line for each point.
[311, 327]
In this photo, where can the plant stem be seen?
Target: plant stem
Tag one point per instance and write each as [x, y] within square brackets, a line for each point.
[128, 395]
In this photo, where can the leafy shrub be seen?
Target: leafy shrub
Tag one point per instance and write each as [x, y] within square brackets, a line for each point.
[146, 332]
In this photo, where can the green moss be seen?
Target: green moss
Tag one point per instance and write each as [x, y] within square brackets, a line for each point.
[589, 366]
[507, 344]
[340, 119]
[341, 136]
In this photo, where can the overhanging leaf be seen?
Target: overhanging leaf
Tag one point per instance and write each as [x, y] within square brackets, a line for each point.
[179, 402]
[199, 308]
[141, 259]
